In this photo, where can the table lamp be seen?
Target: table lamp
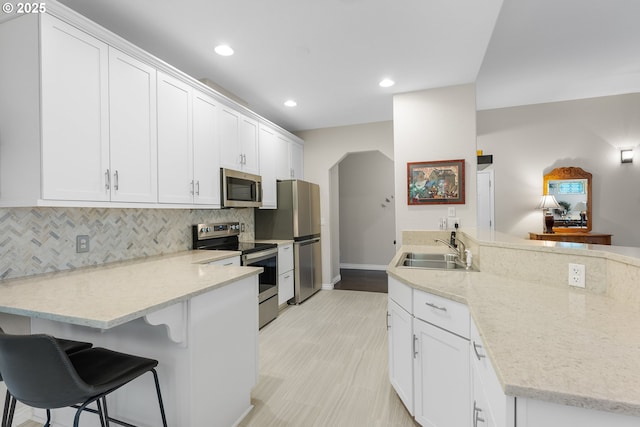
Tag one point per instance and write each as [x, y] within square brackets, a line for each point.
[548, 202]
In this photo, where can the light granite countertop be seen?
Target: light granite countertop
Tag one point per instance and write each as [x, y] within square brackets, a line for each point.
[110, 295]
[556, 344]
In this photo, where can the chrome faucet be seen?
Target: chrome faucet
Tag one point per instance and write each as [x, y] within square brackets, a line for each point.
[467, 253]
[452, 247]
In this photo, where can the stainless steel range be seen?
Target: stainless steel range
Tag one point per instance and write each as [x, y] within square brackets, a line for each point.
[224, 236]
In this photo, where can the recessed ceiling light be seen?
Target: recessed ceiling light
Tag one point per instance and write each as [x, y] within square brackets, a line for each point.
[224, 50]
[386, 83]
[290, 103]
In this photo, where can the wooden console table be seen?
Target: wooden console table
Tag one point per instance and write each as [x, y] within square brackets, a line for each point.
[594, 238]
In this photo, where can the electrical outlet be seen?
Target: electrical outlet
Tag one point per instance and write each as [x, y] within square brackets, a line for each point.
[577, 275]
[82, 243]
[451, 223]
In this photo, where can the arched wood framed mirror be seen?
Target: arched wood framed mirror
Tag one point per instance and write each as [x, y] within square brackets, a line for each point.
[571, 187]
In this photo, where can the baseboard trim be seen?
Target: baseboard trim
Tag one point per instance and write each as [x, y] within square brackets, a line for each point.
[364, 267]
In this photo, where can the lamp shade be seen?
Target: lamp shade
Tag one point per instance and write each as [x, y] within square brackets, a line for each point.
[548, 202]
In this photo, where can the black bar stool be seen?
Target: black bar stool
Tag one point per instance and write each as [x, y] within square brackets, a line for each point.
[68, 346]
[39, 373]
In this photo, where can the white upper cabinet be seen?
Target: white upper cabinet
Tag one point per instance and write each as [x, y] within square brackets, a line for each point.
[133, 130]
[281, 150]
[206, 152]
[268, 161]
[90, 120]
[75, 113]
[238, 141]
[175, 141]
[296, 156]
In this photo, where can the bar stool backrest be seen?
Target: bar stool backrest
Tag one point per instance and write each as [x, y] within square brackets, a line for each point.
[39, 373]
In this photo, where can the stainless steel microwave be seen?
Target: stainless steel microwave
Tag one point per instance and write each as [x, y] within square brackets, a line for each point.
[240, 189]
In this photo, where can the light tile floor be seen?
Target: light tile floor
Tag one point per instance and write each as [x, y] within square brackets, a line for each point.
[324, 363]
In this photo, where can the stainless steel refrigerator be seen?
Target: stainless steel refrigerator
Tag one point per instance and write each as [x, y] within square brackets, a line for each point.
[297, 218]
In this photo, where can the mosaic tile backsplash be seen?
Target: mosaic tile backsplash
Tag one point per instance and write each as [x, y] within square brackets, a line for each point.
[43, 240]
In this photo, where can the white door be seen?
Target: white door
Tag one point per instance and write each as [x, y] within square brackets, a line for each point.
[206, 150]
[441, 372]
[133, 130]
[268, 163]
[175, 151]
[230, 151]
[75, 113]
[399, 324]
[486, 197]
[249, 143]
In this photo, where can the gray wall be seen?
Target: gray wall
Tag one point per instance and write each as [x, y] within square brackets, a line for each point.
[367, 217]
[528, 141]
[323, 151]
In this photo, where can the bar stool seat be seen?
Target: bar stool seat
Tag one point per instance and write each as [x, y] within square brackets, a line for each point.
[40, 374]
[68, 346]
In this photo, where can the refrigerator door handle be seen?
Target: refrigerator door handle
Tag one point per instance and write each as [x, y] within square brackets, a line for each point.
[308, 242]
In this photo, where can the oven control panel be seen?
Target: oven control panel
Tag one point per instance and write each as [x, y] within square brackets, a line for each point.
[211, 230]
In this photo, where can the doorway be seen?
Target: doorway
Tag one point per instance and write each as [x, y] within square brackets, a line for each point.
[366, 220]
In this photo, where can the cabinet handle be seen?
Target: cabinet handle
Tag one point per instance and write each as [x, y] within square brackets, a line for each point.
[197, 187]
[287, 276]
[388, 316]
[107, 180]
[415, 347]
[116, 181]
[437, 307]
[291, 172]
[476, 346]
[476, 415]
[191, 184]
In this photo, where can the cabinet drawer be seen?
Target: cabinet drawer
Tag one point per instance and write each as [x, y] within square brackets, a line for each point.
[285, 258]
[444, 313]
[400, 293]
[227, 261]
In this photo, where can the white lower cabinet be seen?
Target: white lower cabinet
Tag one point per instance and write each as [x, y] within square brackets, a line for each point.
[400, 327]
[491, 407]
[428, 365]
[285, 273]
[441, 362]
[235, 261]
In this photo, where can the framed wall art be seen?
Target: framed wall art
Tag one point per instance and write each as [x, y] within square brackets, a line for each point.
[437, 182]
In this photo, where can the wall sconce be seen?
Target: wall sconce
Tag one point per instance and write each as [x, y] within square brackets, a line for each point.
[548, 202]
[626, 156]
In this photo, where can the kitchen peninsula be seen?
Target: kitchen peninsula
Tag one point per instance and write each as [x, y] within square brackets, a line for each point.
[198, 319]
[560, 355]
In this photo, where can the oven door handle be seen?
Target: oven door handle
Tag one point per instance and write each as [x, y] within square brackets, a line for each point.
[258, 256]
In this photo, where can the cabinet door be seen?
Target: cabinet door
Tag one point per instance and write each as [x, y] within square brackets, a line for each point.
[75, 113]
[230, 151]
[249, 144]
[268, 167]
[175, 159]
[133, 130]
[481, 415]
[441, 373]
[495, 404]
[296, 156]
[206, 150]
[399, 325]
[282, 161]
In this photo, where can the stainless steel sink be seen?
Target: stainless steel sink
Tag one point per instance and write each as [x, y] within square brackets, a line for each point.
[430, 257]
[431, 261]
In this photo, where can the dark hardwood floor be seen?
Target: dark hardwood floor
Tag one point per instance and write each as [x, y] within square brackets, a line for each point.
[362, 280]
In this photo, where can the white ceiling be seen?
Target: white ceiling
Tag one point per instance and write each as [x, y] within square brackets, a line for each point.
[329, 55]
